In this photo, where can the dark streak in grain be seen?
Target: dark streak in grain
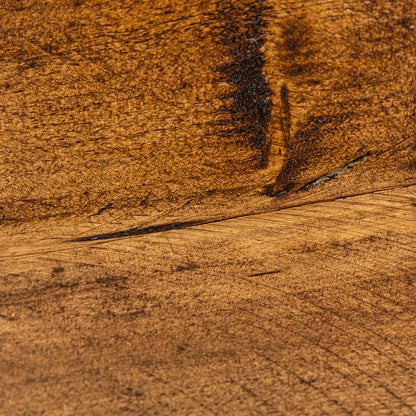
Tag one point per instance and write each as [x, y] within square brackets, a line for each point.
[264, 273]
[248, 105]
[285, 122]
[106, 208]
[7, 318]
[144, 230]
[57, 270]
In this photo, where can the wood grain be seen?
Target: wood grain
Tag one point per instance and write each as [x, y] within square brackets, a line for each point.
[164, 111]
[309, 310]
[207, 207]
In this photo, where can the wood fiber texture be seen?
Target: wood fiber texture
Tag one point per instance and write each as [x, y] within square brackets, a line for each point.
[135, 104]
[207, 207]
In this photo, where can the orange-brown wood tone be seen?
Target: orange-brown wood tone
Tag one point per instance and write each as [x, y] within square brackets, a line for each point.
[207, 207]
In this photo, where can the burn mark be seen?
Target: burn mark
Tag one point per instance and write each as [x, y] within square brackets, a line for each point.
[248, 107]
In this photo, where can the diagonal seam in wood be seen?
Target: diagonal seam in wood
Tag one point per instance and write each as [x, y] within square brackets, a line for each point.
[187, 224]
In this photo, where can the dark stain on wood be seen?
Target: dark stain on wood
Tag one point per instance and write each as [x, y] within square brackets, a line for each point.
[285, 113]
[327, 120]
[248, 105]
[57, 270]
[297, 53]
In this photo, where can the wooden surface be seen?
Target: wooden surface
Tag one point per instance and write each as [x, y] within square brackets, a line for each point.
[207, 207]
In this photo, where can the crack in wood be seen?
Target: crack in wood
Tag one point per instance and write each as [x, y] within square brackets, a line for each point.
[331, 175]
[324, 178]
[100, 211]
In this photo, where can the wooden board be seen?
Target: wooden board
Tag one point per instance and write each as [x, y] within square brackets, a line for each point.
[207, 207]
[308, 310]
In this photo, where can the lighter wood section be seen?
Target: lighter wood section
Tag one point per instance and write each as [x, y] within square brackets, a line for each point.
[309, 310]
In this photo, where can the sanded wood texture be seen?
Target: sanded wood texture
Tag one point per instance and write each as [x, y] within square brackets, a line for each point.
[207, 207]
